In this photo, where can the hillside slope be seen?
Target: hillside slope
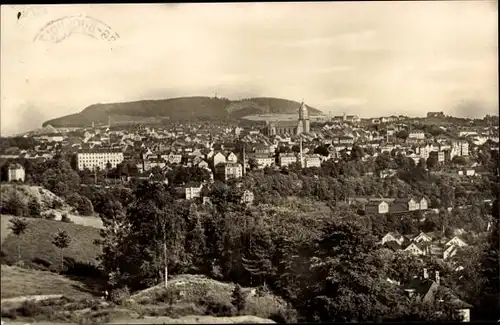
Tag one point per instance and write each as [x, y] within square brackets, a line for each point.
[36, 243]
[183, 108]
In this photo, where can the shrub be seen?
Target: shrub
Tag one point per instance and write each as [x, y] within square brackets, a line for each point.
[15, 206]
[65, 218]
[29, 309]
[119, 295]
[285, 315]
[85, 207]
[34, 208]
[215, 307]
[238, 298]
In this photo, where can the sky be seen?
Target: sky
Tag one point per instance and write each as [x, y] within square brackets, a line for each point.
[365, 58]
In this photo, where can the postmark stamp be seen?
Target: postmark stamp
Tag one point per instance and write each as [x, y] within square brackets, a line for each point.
[58, 30]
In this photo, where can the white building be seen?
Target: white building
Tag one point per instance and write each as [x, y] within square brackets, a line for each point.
[312, 161]
[264, 160]
[16, 173]
[287, 159]
[459, 148]
[416, 135]
[232, 158]
[193, 192]
[98, 158]
[219, 158]
[229, 170]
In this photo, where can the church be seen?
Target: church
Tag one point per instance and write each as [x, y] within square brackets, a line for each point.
[290, 127]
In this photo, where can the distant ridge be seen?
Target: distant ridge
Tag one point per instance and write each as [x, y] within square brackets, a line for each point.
[182, 108]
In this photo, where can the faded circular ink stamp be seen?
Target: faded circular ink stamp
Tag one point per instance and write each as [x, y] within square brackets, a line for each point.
[58, 30]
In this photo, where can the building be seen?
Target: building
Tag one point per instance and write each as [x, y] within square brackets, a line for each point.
[376, 207]
[16, 173]
[312, 161]
[435, 114]
[438, 155]
[232, 158]
[286, 159]
[459, 148]
[290, 127]
[98, 158]
[229, 170]
[416, 135]
[193, 192]
[393, 237]
[247, 197]
[218, 158]
[264, 160]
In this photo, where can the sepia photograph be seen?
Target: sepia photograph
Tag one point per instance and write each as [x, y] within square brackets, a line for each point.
[259, 163]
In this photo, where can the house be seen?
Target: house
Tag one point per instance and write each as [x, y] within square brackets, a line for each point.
[422, 237]
[286, 159]
[404, 204]
[247, 197]
[232, 158]
[312, 161]
[423, 204]
[416, 135]
[415, 249]
[218, 158]
[16, 173]
[393, 237]
[377, 207]
[229, 170]
[450, 251]
[264, 160]
[193, 192]
[387, 173]
[456, 241]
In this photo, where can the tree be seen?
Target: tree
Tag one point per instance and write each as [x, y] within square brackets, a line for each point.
[18, 227]
[459, 160]
[61, 240]
[321, 150]
[15, 205]
[252, 163]
[34, 208]
[432, 162]
[403, 134]
[238, 298]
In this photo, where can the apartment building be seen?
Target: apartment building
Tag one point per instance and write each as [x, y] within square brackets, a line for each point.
[98, 158]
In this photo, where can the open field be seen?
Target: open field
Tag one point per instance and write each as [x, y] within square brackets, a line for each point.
[19, 282]
[36, 242]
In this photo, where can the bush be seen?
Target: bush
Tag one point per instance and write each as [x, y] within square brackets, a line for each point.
[238, 298]
[65, 218]
[285, 315]
[215, 307]
[85, 207]
[34, 208]
[29, 309]
[119, 295]
[15, 206]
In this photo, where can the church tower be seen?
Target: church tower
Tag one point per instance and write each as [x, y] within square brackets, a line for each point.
[304, 118]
